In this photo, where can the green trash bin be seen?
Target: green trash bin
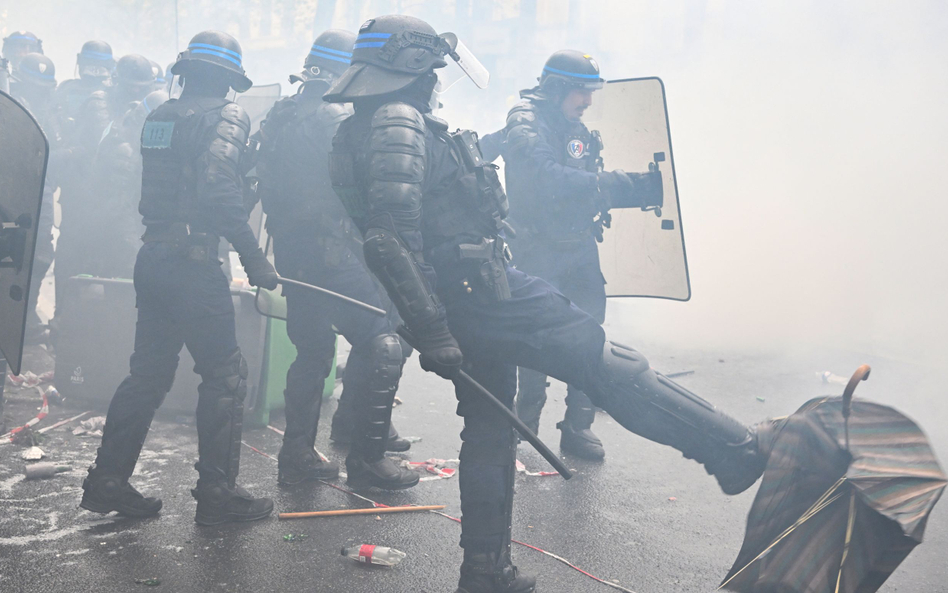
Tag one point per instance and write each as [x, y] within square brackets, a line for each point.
[278, 353]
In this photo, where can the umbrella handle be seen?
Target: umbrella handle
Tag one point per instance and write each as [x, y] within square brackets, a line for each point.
[861, 374]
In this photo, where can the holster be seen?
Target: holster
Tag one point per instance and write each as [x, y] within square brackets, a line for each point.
[493, 255]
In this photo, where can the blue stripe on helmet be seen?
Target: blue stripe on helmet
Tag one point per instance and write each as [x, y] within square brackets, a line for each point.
[373, 36]
[330, 50]
[96, 55]
[216, 54]
[145, 103]
[26, 37]
[368, 44]
[573, 74]
[216, 48]
[329, 57]
[39, 74]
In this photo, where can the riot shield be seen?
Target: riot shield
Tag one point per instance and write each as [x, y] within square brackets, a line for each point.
[23, 155]
[643, 253]
[257, 101]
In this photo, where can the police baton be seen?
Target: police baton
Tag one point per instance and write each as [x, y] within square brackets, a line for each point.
[512, 418]
[335, 295]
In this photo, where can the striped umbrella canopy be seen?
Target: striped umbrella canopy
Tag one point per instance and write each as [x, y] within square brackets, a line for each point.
[830, 518]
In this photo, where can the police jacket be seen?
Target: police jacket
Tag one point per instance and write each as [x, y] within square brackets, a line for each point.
[293, 164]
[428, 205]
[551, 169]
[192, 151]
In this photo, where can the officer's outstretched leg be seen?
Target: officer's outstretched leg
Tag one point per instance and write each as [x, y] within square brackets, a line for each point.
[315, 342]
[220, 414]
[152, 368]
[541, 329]
[486, 476]
[375, 367]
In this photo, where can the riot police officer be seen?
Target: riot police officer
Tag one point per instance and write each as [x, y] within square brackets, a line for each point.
[431, 211]
[193, 150]
[32, 84]
[556, 192]
[132, 80]
[95, 64]
[315, 241]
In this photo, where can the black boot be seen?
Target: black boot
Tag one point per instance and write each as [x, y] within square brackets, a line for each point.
[382, 473]
[218, 502]
[531, 397]
[298, 463]
[341, 434]
[220, 413]
[492, 573]
[577, 437]
[104, 494]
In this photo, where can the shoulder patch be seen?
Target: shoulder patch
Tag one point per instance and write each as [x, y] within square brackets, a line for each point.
[157, 134]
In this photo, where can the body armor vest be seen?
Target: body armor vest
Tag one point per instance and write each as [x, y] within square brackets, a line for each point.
[179, 140]
[293, 166]
[538, 214]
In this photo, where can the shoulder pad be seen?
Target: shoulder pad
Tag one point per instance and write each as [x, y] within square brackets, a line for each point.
[333, 113]
[436, 123]
[235, 114]
[524, 113]
[398, 114]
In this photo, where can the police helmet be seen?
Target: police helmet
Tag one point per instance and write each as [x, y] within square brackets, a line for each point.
[134, 70]
[159, 74]
[569, 69]
[95, 59]
[20, 43]
[329, 56]
[153, 99]
[36, 69]
[390, 53]
[217, 49]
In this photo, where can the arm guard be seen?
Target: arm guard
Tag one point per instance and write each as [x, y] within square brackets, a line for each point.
[220, 185]
[396, 167]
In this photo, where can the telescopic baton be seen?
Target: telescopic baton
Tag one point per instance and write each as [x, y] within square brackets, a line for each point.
[525, 432]
[335, 295]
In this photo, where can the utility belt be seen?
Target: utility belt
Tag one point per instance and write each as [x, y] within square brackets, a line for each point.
[489, 257]
[194, 246]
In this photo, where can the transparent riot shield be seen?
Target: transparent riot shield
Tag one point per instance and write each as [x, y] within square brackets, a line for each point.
[257, 101]
[23, 155]
[643, 252]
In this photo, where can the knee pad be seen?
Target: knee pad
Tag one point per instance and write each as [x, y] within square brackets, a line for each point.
[386, 355]
[230, 376]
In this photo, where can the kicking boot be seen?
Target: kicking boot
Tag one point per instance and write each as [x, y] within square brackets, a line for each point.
[104, 494]
[489, 573]
[299, 463]
[738, 467]
[383, 474]
[218, 503]
[341, 435]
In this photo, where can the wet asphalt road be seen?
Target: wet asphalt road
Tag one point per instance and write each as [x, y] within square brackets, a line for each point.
[646, 518]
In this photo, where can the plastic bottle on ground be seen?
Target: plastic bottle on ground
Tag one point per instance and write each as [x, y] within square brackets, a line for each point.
[378, 555]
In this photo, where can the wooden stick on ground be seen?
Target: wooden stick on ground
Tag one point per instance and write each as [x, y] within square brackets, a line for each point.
[378, 511]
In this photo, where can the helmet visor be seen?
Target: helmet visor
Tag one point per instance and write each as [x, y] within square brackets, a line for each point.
[466, 60]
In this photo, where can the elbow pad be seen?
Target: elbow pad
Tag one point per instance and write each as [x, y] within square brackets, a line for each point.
[398, 271]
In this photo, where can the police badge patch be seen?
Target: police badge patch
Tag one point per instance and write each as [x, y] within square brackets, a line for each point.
[576, 149]
[157, 134]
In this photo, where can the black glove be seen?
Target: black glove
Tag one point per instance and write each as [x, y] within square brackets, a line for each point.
[632, 190]
[259, 271]
[438, 351]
